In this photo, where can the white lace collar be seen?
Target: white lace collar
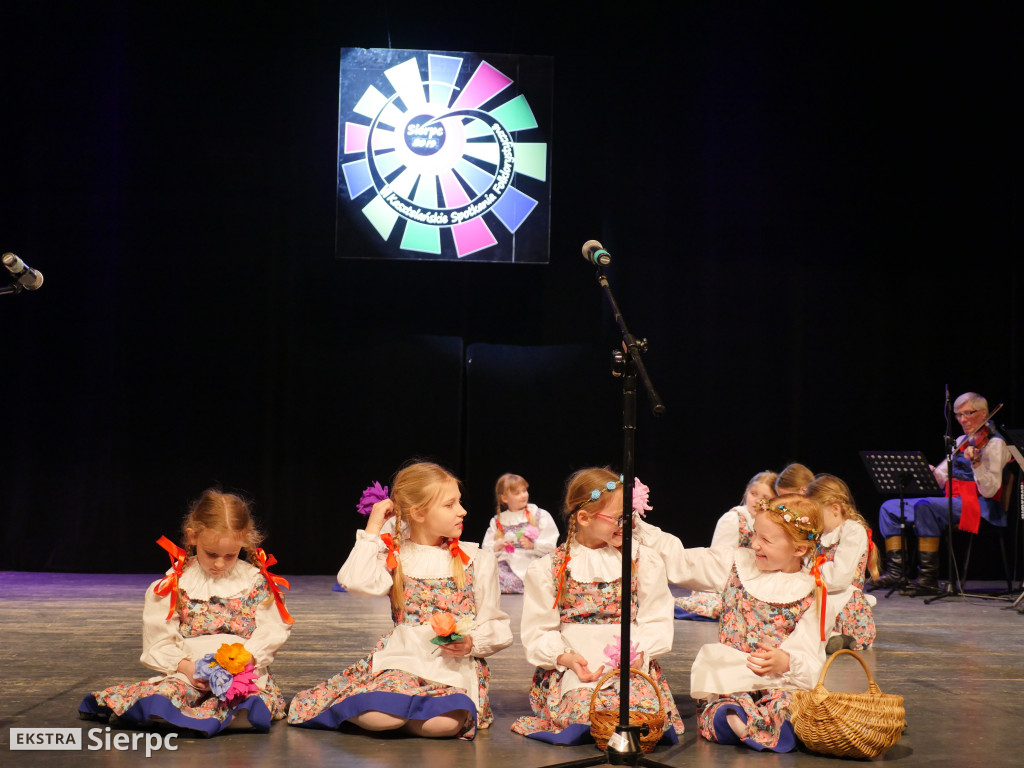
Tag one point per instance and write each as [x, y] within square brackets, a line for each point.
[199, 585]
[775, 586]
[602, 564]
[431, 562]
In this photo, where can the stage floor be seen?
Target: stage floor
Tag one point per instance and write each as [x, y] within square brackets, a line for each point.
[958, 662]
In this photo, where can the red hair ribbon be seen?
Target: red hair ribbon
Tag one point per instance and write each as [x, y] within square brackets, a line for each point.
[561, 578]
[456, 551]
[819, 561]
[389, 542]
[168, 585]
[274, 582]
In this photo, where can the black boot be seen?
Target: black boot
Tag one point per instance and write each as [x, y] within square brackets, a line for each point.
[927, 581]
[893, 570]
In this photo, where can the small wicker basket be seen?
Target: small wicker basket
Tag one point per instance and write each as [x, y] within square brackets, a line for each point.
[847, 724]
[604, 721]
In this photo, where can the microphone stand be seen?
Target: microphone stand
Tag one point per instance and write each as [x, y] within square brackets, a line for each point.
[624, 745]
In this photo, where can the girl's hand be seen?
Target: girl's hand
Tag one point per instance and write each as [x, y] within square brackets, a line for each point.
[187, 667]
[379, 515]
[459, 648]
[499, 546]
[525, 543]
[768, 661]
[578, 664]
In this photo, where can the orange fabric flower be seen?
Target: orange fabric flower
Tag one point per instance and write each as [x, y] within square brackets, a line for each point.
[443, 624]
[233, 657]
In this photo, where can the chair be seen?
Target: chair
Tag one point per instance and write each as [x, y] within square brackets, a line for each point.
[1005, 496]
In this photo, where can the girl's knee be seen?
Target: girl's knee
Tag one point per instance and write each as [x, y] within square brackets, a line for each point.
[441, 727]
[378, 721]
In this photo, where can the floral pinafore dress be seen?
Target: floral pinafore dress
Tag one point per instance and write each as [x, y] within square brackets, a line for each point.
[855, 619]
[553, 712]
[361, 688]
[744, 624]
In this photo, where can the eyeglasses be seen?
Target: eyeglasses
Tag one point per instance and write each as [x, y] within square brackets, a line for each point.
[964, 414]
[616, 520]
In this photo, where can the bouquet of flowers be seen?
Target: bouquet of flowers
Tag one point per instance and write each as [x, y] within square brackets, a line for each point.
[447, 630]
[230, 672]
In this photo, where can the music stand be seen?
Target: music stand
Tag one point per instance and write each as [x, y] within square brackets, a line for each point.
[1015, 442]
[894, 474]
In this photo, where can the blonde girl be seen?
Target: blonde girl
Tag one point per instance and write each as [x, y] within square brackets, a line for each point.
[519, 532]
[772, 626]
[571, 626]
[427, 676]
[209, 599]
[846, 543]
[734, 529]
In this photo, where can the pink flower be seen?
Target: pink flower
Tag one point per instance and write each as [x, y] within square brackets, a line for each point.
[243, 685]
[641, 497]
[531, 532]
[613, 651]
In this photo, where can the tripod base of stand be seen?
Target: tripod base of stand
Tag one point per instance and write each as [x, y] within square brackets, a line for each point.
[623, 749]
[961, 592]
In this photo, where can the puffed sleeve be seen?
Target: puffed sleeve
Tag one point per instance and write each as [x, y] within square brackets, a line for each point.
[162, 644]
[365, 571]
[492, 531]
[727, 531]
[806, 649]
[547, 539]
[540, 629]
[989, 474]
[270, 633]
[840, 572]
[492, 631]
[697, 568]
[654, 616]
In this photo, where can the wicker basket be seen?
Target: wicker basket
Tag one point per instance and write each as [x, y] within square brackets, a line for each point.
[604, 721]
[847, 724]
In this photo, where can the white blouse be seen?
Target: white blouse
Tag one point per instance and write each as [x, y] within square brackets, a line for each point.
[545, 637]
[727, 530]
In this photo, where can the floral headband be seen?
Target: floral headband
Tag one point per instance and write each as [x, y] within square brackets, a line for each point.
[802, 524]
[595, 494]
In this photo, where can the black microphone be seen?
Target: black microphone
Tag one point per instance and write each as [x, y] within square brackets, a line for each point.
[595, 253]
[24, 276]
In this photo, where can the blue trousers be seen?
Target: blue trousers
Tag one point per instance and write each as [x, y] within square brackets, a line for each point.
[928, 516]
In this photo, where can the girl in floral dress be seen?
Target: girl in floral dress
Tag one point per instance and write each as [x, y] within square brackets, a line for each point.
[846, 544]
[209, 600]
[772, 628]
[734, 529]
[519, 532]
[426, 676]
[572, 618]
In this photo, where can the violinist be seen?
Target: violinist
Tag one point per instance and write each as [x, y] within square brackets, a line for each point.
[978, 460]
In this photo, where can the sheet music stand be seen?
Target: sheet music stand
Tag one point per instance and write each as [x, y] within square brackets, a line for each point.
[1015, 442]
[901, 473]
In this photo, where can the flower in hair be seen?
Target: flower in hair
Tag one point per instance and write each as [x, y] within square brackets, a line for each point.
[641, 498]
[371, 496]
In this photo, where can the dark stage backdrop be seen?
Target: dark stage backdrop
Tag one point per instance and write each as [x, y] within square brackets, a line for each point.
[813, 212]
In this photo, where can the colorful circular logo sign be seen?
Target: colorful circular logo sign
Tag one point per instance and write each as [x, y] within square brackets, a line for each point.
[435, 156]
